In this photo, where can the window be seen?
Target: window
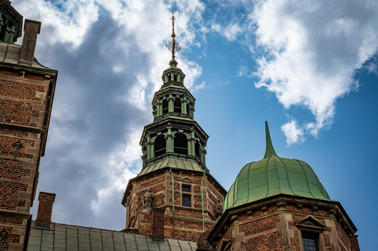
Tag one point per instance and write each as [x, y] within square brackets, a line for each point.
[186, 196]
[309, 242]
[165, 106]
[181, 143]
[177, 105]
[197, 149]
[160, 147]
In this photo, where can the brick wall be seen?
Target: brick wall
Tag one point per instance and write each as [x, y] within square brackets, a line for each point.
[187, 222]
[24, 110]
[279, 226]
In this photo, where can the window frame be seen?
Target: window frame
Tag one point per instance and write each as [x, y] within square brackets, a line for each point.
[310, 236]
[185, 193]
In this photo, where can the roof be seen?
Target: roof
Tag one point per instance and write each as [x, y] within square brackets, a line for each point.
[10, 54]
[272, 176]
[69, 237]
[187, 164]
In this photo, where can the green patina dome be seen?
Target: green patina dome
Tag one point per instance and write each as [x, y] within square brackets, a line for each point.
[272, 176]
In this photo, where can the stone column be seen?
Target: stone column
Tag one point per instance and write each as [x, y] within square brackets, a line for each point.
[191, 144]
[170, 103]
[184, 105]
[169, 139]
[150, 148]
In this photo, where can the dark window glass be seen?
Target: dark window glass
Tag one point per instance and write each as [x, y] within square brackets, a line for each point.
[165, 106]
[309, 242]
[186, 188]
[181, 143]
[186, 200]
[197, 149]
[160, 147]
[177, 105]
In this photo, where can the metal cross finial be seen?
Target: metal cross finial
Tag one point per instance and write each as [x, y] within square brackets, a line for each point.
[173, 45]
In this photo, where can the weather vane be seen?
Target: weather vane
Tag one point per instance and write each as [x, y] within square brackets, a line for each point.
[173, 45]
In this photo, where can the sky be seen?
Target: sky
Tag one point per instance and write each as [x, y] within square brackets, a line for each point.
[309, 68]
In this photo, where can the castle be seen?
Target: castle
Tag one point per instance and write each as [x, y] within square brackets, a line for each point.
[174, 203]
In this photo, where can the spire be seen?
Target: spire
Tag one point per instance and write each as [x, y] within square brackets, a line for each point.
[173, 45]
[269, 152]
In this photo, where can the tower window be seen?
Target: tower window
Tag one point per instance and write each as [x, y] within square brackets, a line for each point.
[160, 146]
[197, 149]
[186, 196]
[177, 105]
[181, 144]
[309, 242]
[165, 106]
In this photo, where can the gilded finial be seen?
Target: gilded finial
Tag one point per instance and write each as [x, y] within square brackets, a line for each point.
[173, 45]
[173, 25]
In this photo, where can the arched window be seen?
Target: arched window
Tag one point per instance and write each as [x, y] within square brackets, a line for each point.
[181, 144]
[165, 106]
[160, 146]
[177, 105]
[197, 149]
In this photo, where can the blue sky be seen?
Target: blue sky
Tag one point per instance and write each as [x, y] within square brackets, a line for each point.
[308, 68]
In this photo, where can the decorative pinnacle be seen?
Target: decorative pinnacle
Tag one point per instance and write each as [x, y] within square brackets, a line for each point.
[173, 45]
[173, 24]
[269, 152]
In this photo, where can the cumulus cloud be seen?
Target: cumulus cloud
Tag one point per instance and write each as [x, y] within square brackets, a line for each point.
[292, 132]
[110, 56]
[311, 50]
[230, 32]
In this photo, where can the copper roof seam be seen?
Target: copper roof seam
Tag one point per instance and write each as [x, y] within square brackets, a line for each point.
[308, 187]
[287, 175]
[319, 183]
[266, 176]
[102, 243]
[124, 240]
[278, 176]
[113, 240]
[249, 168]
[65, 236]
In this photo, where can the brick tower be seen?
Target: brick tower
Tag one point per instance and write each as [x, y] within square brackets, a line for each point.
[26, 95]
[279, 204]
[174, 195]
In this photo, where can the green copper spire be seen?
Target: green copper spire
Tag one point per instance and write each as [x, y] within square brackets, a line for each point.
[269, 152]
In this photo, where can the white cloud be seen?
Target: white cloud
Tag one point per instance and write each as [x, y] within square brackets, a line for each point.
[292, 132]
[312, 49]
[230, 32]
[110, 56]
[68, 23]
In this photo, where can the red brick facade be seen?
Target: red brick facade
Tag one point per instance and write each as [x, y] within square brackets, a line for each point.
[185, 223]
[25, 105]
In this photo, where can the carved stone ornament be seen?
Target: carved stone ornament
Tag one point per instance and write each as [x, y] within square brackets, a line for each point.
[148, 198]
[203, 244]
[219, 209]
[187, 179]
[310, 224]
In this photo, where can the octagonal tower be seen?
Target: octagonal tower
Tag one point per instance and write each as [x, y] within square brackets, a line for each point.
[174, 195]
